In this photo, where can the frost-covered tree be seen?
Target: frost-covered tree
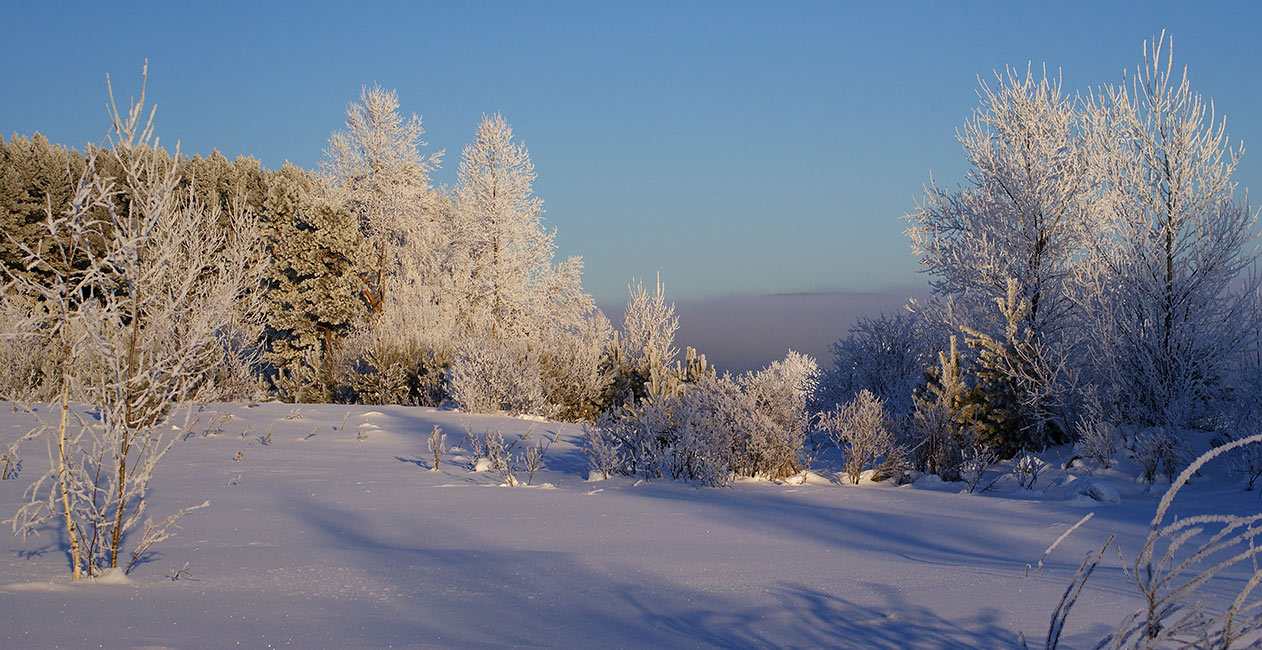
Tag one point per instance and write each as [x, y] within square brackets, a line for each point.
[1015, 402]
[1162, 318]
[508, 253]
[145, 313]
[638, 361]
[886, 355]
[35, 175]
[316, 294]
[1019, 213]
[861, 429]
[376, 167]
[941, 426]
[572, 340]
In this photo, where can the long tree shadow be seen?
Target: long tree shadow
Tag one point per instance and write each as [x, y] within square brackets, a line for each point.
[480, 593]
[808, 617]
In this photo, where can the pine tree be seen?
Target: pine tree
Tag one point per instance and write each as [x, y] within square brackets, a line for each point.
[1015, 395]
[316, 293]
[35, 176]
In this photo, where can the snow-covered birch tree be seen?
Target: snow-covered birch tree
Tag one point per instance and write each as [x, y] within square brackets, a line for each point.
[145, 312]
[1018, 215]
[1171, 238]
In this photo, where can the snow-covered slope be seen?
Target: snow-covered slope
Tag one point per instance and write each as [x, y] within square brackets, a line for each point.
[341, 536]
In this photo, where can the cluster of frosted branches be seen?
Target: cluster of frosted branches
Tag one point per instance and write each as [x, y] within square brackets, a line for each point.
[141, 295]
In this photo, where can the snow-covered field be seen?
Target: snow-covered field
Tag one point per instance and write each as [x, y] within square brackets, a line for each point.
[338, 536]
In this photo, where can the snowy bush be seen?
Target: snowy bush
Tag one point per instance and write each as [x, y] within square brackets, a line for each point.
[490, 376]
[1246, 462]
[1026, 468]
[1160, 452]
[935, 442]
[976, 460]
[570, 366]
[603, 448]
[1099, 441]
[711, 429]
[772, 418]
[861, 430]
[885, 355]
[28, 361]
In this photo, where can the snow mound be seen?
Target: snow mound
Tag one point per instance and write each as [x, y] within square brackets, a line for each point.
[1099, 490]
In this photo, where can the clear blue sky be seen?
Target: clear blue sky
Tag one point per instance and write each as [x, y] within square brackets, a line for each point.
[734, 147]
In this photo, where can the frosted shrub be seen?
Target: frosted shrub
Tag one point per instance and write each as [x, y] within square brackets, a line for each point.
[896, 466]
[476, 443]
[499, 457]
[862, 432]
[381, 375]
[770, 416]
[1159, 452]
[1099, 441]
[28, 363]
[437, 444]
[604, 448]
[572, 345]
[709, 419]
[935, 445]
[1247, 463]
[1026, 469]
[977, 459]
[533, 460]
[490, 377]
[712, 428]
[886, 355]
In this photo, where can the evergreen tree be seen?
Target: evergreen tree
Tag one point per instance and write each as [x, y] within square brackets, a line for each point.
[1012, 410]
[316, 294]
[36, 176]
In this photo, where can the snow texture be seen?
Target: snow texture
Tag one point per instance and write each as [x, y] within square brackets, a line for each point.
[347, 540]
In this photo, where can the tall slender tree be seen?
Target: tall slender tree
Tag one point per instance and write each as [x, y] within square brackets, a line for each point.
[1171, 240]
[376, 168]
[508, 252]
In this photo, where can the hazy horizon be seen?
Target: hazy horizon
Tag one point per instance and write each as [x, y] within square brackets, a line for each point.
[740, 332]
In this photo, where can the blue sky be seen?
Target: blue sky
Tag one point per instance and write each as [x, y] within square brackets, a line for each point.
[737, 148]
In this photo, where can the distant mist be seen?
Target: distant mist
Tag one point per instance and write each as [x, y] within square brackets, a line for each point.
[746, 332]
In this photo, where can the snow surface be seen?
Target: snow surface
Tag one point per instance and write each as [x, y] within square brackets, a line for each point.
[345, 538]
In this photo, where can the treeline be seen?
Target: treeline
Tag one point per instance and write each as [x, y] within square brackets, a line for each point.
[375, 287]
[362, 282]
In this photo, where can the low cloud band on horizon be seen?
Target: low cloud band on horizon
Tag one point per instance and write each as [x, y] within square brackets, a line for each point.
[747, 332]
